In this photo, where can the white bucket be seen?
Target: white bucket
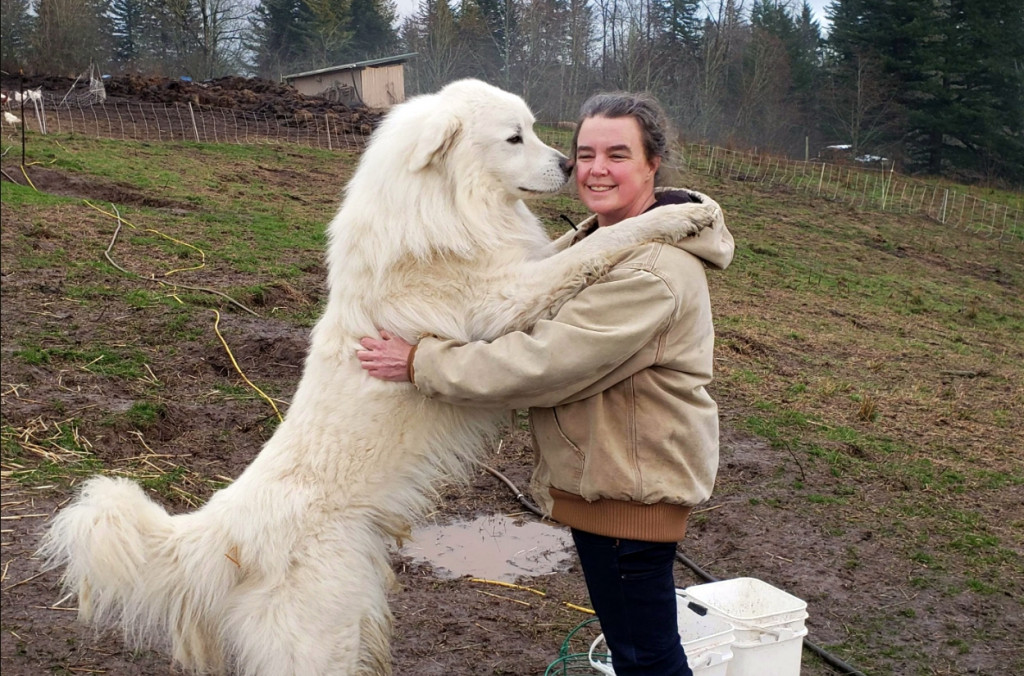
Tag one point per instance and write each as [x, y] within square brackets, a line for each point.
[768, 624]
[706, 640]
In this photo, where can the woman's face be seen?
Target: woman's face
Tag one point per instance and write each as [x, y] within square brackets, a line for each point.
[613, 176]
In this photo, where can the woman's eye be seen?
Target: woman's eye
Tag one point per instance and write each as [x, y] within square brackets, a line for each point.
[517, 138]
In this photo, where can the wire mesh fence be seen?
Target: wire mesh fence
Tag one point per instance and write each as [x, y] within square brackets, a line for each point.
[188, 122]
[862, 187]
[866, 188]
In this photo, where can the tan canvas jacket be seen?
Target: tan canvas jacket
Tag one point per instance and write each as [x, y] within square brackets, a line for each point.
[626, 436]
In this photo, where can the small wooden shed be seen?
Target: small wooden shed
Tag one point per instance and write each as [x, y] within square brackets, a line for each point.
[377, 83]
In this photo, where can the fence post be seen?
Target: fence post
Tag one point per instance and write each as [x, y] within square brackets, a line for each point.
[40, 113]
[327, 124]
[885, 186]
[194, 127]
[942, 213]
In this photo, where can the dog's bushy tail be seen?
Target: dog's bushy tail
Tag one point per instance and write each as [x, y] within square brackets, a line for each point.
[131, 565]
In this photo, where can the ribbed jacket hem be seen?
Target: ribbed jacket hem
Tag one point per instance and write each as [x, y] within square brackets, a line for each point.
[660, 522]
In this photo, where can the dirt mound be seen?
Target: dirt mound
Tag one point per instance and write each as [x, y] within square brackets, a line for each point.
[255, 95]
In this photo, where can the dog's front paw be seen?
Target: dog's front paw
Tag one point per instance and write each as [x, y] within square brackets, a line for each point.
[675, 222]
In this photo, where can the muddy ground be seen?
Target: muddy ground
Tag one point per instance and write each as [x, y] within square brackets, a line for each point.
[862, 596]
[442, 626]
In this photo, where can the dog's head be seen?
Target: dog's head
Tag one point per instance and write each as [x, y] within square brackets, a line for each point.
[475, 127]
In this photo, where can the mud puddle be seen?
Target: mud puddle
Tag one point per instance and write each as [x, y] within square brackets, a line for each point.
[495, 547]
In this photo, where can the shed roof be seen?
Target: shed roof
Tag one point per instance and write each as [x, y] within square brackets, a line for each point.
[401, 58]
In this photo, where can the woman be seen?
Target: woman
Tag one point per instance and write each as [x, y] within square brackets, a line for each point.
[625, 434]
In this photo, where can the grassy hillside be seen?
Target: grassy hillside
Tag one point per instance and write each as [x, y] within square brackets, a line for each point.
[870, 372]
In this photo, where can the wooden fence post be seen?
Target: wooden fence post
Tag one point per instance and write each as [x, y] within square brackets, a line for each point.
[194, 127]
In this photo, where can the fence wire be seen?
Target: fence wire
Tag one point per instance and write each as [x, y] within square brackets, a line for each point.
[865, 188]
[188, 122]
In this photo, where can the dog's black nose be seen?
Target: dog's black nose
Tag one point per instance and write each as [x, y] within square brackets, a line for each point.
[566, 165]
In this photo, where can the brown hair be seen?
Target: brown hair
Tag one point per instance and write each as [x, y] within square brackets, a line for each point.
[641, 107]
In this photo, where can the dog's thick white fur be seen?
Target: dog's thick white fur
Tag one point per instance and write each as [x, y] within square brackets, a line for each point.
[286, 572]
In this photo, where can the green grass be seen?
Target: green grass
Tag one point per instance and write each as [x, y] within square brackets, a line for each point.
[119, 362]
[143, 414]
[17, 195]
[164, 483]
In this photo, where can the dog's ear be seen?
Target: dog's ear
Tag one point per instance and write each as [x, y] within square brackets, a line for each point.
[435, 138]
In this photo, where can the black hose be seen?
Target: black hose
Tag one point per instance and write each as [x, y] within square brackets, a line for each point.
[701, 573]
[842, 667]
[523, 500]
[833, 661]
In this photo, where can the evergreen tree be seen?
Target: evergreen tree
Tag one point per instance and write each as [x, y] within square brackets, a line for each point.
[330, 36]
[766, 110]
[955, 67]
[280, 34]
[579, 53]
[370, 25]
[544, 39]
[680, 25]
[292, 35]
[807, 51]
[126, 18]
[976, 122]
[776, 27]
[15, 30]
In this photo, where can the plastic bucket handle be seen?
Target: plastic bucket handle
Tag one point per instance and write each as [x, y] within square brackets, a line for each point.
[712, 659]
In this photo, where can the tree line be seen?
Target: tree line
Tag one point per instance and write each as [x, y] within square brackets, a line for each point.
[936, 85]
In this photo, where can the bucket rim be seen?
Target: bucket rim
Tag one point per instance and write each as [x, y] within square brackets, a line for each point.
[792, 607]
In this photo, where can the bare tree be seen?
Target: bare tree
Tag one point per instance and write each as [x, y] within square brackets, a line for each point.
[721, 48]
[434, 34]
[542, 31]
[15, 30]
[862, 104]
[222, 25]
[762, 108]
[579, 55]
[69, 36]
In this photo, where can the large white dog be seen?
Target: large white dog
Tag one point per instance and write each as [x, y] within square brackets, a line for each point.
[286, 572]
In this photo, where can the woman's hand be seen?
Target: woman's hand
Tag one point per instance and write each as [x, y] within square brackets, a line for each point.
[386, 358]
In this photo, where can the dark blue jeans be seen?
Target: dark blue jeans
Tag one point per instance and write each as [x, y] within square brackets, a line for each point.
[634, 595]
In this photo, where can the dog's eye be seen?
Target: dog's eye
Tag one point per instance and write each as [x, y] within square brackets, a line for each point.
[516, 138]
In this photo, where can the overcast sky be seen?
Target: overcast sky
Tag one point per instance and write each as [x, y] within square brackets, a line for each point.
[407, 7]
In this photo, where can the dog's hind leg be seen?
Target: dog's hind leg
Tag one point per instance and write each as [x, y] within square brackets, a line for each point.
[328, 616]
